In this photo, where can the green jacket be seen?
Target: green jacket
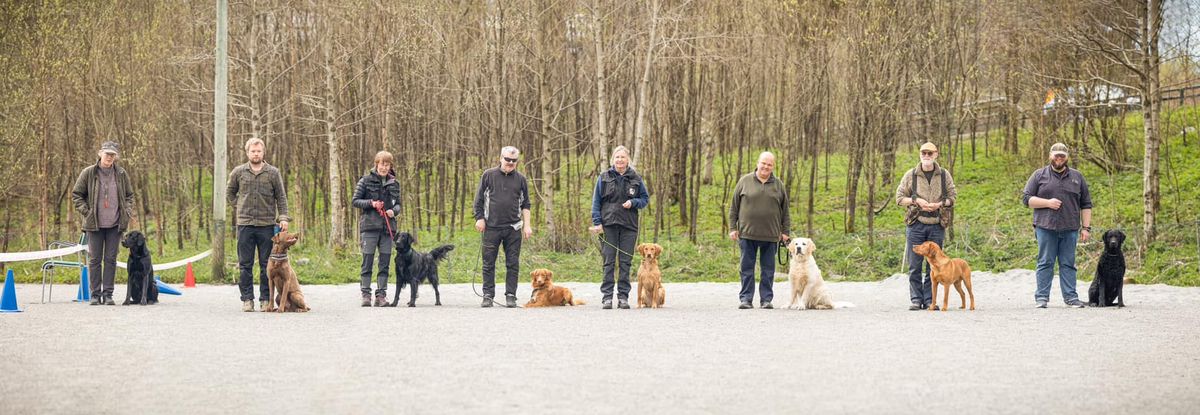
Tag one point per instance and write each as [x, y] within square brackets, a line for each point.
[86, 196]
[760, 210]
[260, 198]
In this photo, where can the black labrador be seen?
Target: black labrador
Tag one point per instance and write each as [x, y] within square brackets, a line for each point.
[412, 267]
[140, 288]
[1109, 286]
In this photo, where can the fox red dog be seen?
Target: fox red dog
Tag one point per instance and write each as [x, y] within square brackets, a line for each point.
[946, 271]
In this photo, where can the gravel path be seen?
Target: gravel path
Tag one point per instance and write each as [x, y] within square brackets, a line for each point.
[199, 353]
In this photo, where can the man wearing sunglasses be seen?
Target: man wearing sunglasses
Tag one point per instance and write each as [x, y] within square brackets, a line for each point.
[928, 193]
[1062, 217]
[502, 215]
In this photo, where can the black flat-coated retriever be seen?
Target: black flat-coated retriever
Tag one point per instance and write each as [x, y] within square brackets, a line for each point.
[140, 288]
[412, 267]
[1109, 286]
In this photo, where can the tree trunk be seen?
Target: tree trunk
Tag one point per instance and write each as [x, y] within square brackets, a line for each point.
[639, 126]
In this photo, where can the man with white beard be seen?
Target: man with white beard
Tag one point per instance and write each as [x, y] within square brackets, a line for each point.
[928, 193]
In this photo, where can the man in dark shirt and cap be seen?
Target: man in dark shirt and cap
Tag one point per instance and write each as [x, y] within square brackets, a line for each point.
[1062, 217]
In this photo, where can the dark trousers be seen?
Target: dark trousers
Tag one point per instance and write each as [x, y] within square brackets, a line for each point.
[493, 238]
[918, 281]
[250, 238]
[624, 239]
[373, 241]
[764, 252]
[102, 250]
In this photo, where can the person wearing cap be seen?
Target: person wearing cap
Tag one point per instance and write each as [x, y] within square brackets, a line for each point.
[1062, 217]
[256, 189]
[760, 221]
[377, 196]
[103, 196]
[928, 193]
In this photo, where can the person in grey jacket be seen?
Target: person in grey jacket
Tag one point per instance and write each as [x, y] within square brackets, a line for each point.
[104, 198]
[377, 191]
[620, 193]
[760, 220]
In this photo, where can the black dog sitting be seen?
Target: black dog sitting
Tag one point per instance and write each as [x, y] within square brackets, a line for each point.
[412, 267]
[140, 287]
[1109, 286]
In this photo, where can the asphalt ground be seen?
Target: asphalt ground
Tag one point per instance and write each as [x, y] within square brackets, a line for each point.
[199, 353]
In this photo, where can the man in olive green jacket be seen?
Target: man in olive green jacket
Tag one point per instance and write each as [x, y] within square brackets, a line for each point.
[256, 189]
[104, 199]
[760, 220]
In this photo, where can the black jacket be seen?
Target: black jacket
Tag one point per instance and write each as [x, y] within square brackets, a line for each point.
[373, 187]
[613, 190]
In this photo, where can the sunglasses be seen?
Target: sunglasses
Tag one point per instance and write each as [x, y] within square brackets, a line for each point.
[510, 160]
[1059, 156]
[927, 153]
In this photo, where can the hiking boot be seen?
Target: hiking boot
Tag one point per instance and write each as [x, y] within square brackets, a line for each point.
[96, 300]
[623, 304]
[366, 300]
[766, 305]
[381, 300]
[262, 304]
[1076, 304]
[510, 301]
[109, 301]
[487, 302]
[1042, 303]
[745, 305]
[915, 307]
[607, 304]
[247, 306]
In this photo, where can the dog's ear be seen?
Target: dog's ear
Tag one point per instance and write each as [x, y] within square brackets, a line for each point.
[640, 249]
[812, 247]
[791, 246]
[657, 249]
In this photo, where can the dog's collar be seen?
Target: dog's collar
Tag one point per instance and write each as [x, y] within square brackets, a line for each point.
[279, 257]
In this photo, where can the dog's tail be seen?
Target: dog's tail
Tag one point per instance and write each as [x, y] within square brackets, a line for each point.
[576, 301]
[441, 252]
[843, 304]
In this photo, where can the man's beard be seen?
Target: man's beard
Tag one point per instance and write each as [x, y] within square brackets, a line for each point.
[927, 164]
[1058, 165]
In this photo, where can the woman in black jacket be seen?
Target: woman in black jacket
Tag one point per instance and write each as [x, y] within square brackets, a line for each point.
[377, 196]
[620, 193]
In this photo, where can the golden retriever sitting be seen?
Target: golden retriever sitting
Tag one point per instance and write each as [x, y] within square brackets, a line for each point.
[808, 288]
[282, 281]
[650, 289]
[946, 271]
[546, 294]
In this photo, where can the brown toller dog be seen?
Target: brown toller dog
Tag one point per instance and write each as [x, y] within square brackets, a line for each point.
[546, 294]
[282, 281]
[946, 271]
[650, 289]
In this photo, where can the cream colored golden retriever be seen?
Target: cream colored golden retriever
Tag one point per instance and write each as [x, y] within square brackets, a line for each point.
[808, 288]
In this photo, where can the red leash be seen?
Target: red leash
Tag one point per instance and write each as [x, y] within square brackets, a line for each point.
[386, 222]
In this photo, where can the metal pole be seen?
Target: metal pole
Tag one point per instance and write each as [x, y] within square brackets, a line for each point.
[220, 111]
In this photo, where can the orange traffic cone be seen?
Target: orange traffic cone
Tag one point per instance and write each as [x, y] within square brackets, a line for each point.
[189, 279]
